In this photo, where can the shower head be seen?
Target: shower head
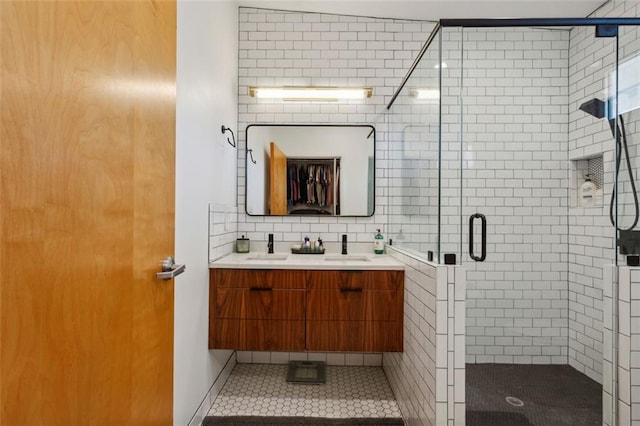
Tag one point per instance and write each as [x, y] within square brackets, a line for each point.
[594, 107]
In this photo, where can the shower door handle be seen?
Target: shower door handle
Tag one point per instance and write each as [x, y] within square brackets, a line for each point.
[483, 219]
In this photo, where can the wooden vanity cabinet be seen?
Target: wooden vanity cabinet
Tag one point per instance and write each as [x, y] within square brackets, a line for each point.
[359, 311]
[317, 310]
[257, 309]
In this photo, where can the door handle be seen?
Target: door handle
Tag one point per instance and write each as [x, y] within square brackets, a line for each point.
[350, 290]
[483, 220]
[170, 269]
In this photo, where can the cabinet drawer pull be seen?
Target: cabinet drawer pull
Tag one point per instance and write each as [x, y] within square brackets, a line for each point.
[260, 289]
[350, 290]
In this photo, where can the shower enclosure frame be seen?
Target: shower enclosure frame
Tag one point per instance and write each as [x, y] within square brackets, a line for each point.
[604, 27]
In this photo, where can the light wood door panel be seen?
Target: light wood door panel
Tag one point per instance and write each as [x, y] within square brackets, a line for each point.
[277, 180]
[87, 96]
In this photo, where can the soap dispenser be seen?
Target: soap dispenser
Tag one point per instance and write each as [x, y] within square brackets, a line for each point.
[378, 243]
[242, 245]
[587, 193]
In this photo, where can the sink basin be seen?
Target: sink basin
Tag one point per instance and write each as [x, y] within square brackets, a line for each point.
[268, 257]
[348, 257]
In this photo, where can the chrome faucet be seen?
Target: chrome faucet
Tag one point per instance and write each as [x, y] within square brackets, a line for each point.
[270, 244]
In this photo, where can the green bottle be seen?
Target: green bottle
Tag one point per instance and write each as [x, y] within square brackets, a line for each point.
[378, 243]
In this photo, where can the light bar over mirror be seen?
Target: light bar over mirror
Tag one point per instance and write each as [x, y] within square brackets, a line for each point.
[310, 93]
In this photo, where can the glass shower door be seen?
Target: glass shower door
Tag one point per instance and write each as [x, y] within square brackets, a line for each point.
[534, 248]
[514, 203]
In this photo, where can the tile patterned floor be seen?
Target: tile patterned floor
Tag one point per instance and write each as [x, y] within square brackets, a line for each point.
[262, 390]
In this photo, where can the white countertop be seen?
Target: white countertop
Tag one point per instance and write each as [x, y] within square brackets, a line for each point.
[359, 261]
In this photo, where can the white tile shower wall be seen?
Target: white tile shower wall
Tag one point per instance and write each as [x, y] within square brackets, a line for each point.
[278, 48]
[515, 173]
[222, 230]
[609, 280]
[631, 347]
[628, 346]
[591, 235]
[428, 378]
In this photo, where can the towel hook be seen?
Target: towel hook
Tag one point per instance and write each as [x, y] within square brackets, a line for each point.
[250, 152]
[224, 129]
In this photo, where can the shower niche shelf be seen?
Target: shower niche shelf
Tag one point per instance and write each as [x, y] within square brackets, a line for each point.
[581, 169]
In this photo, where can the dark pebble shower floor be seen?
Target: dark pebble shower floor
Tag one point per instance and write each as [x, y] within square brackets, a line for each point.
[552, 395]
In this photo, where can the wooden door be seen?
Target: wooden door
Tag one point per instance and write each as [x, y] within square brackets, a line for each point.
[87, 211]
[277, 180]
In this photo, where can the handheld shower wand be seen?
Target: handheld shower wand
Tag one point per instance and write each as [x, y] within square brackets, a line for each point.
[596, 108]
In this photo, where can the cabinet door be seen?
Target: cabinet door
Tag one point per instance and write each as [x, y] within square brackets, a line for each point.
[257, 309]
[259, 303]
[354, 336]
[354, 279]
[258, 335]
[355, 311]
[352, 305]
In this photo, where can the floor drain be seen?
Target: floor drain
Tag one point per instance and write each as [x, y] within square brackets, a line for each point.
[514, 401]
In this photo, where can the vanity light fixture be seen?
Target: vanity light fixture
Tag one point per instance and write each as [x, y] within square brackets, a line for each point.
[311, 93]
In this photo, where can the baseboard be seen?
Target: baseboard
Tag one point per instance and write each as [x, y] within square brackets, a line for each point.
[214, 390]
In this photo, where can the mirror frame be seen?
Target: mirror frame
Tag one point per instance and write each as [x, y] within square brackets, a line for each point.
[247, 165]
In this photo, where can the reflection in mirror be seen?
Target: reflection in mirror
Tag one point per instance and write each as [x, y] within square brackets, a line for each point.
[310, 170]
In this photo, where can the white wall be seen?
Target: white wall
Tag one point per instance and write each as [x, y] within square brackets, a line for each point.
[205, 173]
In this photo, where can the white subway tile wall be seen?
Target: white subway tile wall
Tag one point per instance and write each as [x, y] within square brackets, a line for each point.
[591, 235]
[223, 226]
[628, 346]
[412, 168]
[529, 301]
[631, 349]
[514, 171]
[428, 378]
[279, 48]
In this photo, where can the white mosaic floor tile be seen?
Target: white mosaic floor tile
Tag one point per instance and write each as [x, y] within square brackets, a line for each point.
[262, 390]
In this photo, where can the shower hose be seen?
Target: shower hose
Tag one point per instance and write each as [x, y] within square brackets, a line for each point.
[619, 146]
